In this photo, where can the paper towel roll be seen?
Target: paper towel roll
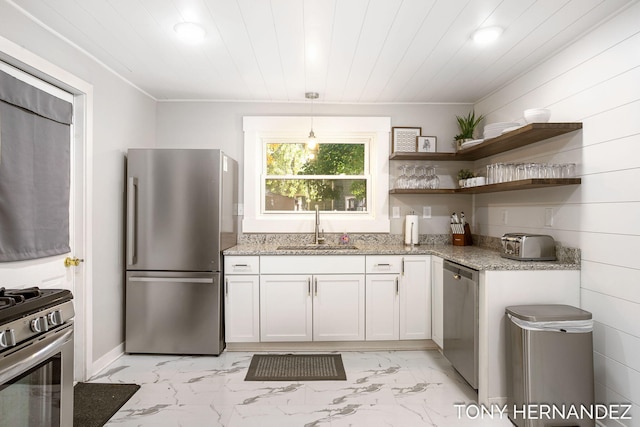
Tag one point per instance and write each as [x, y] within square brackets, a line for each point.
[411, 230]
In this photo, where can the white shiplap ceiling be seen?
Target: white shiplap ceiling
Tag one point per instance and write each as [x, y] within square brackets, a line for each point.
[352, 51]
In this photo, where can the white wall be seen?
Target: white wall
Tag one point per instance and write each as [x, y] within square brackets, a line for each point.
[595, 81]
[123, 117]
[219, 125]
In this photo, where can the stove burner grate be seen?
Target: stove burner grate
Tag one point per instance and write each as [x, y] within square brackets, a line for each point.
[15, 303]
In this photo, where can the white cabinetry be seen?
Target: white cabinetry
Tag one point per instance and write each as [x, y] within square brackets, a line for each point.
[415, 297]
[285, 307]
[437, 326]
[298, 298]
[300, 301]
[383, 298]
[398, 297]
[242, 299]
[498, 290]
[338, 307]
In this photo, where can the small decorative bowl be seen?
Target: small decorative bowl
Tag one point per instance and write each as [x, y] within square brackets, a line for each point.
[537, 115]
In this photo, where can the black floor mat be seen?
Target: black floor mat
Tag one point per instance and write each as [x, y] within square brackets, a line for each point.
[95, 403]
[296, 367]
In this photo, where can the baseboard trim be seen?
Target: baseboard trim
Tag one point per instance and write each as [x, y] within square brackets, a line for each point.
[106, 360]
[334, 346]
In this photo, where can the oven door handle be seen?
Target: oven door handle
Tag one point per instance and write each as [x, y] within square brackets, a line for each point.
[17, 363]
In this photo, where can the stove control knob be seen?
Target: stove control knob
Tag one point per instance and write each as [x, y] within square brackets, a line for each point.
[7, 338]
[39, 324]
[55, 318]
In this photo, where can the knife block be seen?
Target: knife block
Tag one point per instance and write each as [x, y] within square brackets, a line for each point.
[462, 239]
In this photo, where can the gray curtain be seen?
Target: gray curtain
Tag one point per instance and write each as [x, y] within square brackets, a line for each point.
[34, 171]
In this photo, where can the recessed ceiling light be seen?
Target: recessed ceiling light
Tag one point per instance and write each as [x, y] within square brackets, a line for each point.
[486, 35]
[189, 32]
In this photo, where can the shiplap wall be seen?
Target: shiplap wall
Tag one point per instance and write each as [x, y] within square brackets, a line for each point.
[596, 81]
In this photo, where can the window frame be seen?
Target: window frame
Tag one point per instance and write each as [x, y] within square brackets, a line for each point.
[259, 129]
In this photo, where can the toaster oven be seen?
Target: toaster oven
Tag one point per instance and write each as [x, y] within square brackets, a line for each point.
[528, 247]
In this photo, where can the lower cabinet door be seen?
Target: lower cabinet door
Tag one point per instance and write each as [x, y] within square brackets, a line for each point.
[338, 307]
[285, 308]
[382, 307]
[242, 308]
[415, 298]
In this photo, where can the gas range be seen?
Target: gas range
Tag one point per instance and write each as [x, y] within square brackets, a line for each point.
[27, 313]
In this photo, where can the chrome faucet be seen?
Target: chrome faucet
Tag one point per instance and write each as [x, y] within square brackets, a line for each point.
[318, 240]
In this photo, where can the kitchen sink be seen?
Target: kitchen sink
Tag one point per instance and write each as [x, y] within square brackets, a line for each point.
[314, 247]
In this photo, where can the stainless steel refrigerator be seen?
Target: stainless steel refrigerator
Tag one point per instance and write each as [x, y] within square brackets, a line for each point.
[180, 216]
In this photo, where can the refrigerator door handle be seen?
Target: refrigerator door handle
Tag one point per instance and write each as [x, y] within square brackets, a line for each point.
[170, 279]
[132, 213]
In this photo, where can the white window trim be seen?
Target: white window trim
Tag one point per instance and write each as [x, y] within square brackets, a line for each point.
[375, 220]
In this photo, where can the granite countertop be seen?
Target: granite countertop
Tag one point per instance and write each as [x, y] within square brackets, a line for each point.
[474, 257]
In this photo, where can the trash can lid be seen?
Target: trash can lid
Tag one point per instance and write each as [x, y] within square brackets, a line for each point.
[548, 312]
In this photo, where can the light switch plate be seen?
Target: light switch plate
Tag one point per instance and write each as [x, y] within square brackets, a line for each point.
[426, 212]
[395, 212]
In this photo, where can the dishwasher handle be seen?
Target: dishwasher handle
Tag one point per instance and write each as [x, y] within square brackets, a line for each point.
[460, 271]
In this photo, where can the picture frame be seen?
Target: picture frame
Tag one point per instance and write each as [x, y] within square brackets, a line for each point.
[403, 139]
[426, 144]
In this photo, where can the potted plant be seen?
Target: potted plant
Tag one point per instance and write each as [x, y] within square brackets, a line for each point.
[467, 125]
[463, 175]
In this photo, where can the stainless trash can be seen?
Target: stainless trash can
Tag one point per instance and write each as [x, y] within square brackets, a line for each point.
[550, 366]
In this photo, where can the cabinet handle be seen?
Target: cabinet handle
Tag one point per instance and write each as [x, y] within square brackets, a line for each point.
[240, 265]
[226, 287]
[397, 287]
[309, 287]
[383, 265]
[316, 285]
[403, 266]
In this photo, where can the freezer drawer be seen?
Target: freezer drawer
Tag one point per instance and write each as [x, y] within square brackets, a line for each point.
[173, 313]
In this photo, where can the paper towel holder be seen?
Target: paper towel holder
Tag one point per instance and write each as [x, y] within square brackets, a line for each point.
[411, 233]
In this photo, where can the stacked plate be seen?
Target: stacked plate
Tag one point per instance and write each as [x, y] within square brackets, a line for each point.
[495, 129]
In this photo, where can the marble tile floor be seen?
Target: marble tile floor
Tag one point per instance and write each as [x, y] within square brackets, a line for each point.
[383, 388]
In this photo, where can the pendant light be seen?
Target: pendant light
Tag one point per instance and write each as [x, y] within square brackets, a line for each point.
[311, 139]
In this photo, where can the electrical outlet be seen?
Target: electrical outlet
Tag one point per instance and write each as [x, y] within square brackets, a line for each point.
[395, 212]
[505, 216]
[240, 209]
[548, 217]
[426, 212]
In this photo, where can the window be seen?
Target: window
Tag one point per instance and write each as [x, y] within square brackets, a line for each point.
[345, 174]
[331, 173]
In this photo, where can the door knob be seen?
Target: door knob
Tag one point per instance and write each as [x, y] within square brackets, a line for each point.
[68, 262]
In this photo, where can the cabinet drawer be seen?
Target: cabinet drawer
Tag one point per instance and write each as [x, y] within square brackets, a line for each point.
[242, 265]
[383, 264]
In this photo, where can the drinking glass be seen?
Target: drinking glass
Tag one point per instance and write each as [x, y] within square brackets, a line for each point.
[568, 170]
[421, 176]
[434, 181]
[411, 177]
[520, 172]
[401, 182]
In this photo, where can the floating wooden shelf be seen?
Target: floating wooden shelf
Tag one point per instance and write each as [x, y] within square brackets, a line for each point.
[424, 191]
[521, 137]
[524, 184]
[424, 156]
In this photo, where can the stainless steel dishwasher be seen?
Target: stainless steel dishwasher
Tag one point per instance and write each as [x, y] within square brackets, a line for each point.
[460, 296]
